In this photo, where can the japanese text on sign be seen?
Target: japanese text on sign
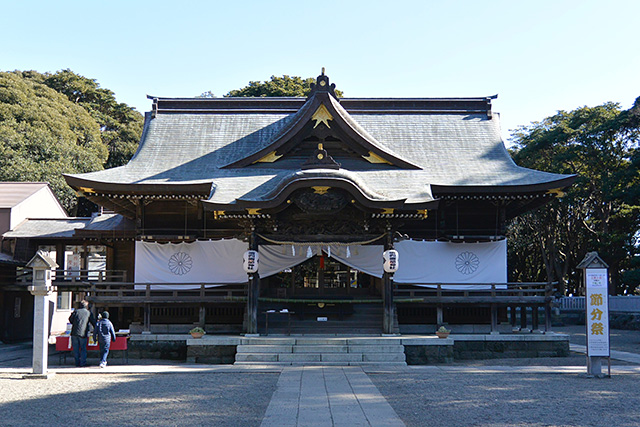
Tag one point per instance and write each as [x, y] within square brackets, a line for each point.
[597, 306]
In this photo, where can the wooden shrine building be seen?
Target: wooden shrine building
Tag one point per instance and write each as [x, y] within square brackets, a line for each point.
[320, 187]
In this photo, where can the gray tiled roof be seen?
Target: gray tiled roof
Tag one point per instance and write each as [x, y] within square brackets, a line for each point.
[453, 149]
[65, 227]
[13, 193]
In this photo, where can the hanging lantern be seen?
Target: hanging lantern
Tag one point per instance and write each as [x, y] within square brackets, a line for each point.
[391, 262]
[250, 261]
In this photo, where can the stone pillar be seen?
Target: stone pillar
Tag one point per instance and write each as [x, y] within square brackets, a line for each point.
[40, 329]
[41, 289]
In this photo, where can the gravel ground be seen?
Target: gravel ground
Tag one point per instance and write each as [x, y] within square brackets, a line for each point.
[621, 340]
[240, 399]
[214, 399]
[452, 399]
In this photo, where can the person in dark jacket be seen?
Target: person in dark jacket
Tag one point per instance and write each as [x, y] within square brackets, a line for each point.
[80, 320]
[104, 334]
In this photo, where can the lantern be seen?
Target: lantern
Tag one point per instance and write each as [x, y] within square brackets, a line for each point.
[250, 261]
[391, 262]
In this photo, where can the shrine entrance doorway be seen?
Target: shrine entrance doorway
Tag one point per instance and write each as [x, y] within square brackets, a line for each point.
[321, 277]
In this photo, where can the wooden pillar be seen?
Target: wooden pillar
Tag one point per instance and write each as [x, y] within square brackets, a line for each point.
[547, 316]
[253, 292]
[513, 313]
[439, 315]
[494, 318]
[147, 319]
[387, 294]
[535, 319]
[523, 319]
[202, 316]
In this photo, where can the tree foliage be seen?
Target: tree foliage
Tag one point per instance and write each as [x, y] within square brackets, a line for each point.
[277, 86]
[43, 135]
[52, 124]
[120, 125]
[600, 212]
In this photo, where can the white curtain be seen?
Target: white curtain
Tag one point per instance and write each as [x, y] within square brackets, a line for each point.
[367, 259]
[275, 258]
[423, 263]
[211, 262]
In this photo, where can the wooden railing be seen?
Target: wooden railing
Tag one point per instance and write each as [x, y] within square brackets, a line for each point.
[116, 294]
[510, 293]
[77, 276]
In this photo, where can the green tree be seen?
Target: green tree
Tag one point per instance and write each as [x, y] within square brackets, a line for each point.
[600, 212]
[120, 125]
[278, 86]
[43, 135]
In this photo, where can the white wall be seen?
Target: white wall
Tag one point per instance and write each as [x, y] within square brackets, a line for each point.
[60, 318]
[41, 204]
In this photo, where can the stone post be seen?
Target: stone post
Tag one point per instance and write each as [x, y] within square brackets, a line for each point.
[41, 289]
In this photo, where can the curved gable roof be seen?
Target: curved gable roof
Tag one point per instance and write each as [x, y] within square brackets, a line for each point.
[323, 107]
[208, 148]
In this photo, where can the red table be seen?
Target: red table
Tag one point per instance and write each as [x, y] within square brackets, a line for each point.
[63, 344]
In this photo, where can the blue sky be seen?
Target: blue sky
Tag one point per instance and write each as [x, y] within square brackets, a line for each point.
[539, 56]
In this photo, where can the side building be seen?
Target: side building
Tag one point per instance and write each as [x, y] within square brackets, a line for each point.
[20, 201]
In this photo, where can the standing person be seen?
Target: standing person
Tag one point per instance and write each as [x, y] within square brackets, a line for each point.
[104, 333]
[80, 319]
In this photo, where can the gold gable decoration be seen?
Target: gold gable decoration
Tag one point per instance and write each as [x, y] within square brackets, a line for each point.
[322, 115]
[557, 192]
[320, 190]
[269, 158]
[374, 158]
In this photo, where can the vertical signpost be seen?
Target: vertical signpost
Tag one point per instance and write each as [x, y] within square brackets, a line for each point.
[390, 266]
[596, 285]
[250, 262]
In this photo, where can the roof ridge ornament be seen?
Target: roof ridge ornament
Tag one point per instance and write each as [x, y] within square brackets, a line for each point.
[322, 85]
[320, 159]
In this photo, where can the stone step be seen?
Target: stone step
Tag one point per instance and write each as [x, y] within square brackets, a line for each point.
[257, 357]
[321, 349]
[264, 349]
[268, 341]
[300, 357]
[337, 357]
[376, 349]
[267, 364]
[384, 357]
[321, 341]
[317, 357]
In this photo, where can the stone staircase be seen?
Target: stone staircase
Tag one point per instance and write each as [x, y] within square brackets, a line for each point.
[310, 350]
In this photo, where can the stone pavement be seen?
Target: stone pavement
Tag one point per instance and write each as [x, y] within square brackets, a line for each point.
[328, 396]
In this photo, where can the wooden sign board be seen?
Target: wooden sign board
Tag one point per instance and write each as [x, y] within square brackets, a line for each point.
[597, 306]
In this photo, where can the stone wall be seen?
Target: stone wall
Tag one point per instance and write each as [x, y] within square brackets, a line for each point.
[211, 354]
[475, 350]
[153, 347]
[428, 354]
